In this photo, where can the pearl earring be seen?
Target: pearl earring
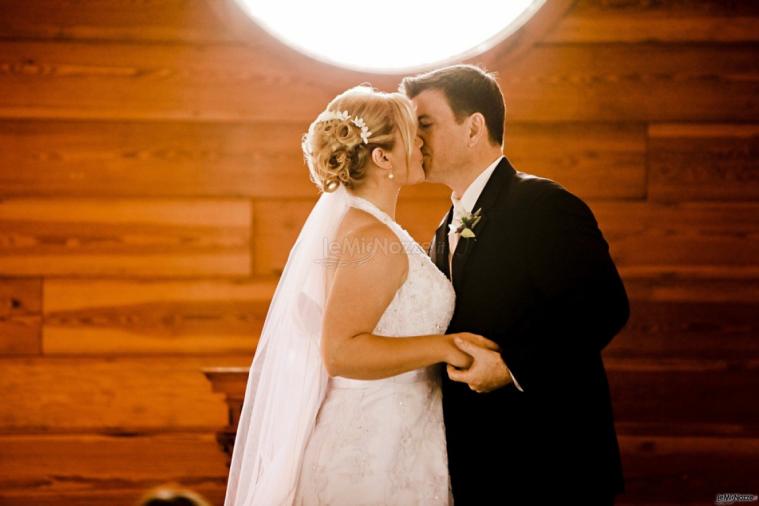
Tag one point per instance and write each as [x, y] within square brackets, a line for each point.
[391, 176]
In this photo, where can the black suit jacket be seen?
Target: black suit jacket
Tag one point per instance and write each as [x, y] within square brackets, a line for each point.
[538, 280]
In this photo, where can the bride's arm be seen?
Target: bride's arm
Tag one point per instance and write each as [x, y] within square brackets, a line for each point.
[363, 285]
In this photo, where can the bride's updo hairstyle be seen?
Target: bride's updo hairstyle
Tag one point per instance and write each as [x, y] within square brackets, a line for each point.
[339, 143]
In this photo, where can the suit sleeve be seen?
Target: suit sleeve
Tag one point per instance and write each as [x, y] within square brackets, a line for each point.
[582, 300]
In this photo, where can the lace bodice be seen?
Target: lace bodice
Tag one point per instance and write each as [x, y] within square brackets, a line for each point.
[424, 303]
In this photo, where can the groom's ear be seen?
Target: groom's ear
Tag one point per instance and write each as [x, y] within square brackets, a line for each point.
[478, 129]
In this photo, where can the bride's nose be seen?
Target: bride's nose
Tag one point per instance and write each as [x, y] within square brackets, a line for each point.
[418, 142]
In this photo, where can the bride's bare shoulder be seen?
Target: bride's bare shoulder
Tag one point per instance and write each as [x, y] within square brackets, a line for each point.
[362, 234]
[359, 223]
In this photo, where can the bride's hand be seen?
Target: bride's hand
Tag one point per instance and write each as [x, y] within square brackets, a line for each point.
[458, 358]
[478, 340]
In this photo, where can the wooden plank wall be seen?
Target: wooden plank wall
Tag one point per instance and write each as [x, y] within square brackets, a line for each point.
[151, 186]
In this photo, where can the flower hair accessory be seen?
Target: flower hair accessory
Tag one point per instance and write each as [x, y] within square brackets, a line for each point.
[345, 116]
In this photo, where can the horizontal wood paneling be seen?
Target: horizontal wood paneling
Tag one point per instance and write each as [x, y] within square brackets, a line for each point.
[598, 21]
[683, 235]
[44, 464]
[123, 81]
[124, 237]
[690, 317]
[681, 284]
[194, 21]
[683, 317]
[20, 316]
[627, 83]
[276, 224]
[593, 160]
[686, 470]
[116, 317]
[105, 470]
[689, 329]
[275, 234]
[152, 158]
[737, 429]
[704, 162]
[171, 158]
[190, 21]
[106, 394]
[142, 142]
[111, 496]
[679, 391]
[421, 218]
[556, 83]
[639, 233]
[668, 318]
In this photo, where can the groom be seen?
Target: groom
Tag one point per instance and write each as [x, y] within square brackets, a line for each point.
[531, 423]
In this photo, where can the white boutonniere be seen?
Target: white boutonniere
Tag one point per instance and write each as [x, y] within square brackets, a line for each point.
[468, 222]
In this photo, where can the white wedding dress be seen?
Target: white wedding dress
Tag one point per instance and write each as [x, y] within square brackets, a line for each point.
[382, 442]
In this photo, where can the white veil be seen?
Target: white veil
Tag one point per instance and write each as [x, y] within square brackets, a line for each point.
[287, 379]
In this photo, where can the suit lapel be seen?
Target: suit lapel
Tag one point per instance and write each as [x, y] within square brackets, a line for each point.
[499, 179]
[440, 255]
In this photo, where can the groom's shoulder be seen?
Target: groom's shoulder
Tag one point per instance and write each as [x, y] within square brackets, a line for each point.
[536, 194]
[531, 187]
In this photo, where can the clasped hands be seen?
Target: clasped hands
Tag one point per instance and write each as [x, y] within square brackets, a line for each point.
[483, 370]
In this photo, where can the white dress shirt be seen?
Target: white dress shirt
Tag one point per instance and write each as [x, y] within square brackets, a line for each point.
[462, 207]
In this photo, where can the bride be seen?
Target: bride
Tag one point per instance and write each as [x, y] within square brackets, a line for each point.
[343, 401]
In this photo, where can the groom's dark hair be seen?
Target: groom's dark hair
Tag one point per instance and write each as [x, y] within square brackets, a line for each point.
[469, 89]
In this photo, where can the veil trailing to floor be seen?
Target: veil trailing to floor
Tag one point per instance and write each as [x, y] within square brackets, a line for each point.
[287, 379]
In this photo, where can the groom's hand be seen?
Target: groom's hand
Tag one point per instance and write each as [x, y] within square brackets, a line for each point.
[488, 372]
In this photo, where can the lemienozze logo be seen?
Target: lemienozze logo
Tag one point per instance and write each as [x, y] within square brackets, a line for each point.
[725, 499]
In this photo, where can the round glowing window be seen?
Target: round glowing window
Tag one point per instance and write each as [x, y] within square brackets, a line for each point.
[390, 36]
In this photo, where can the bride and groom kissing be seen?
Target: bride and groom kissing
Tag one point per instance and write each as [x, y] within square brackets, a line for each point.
[470, 372]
